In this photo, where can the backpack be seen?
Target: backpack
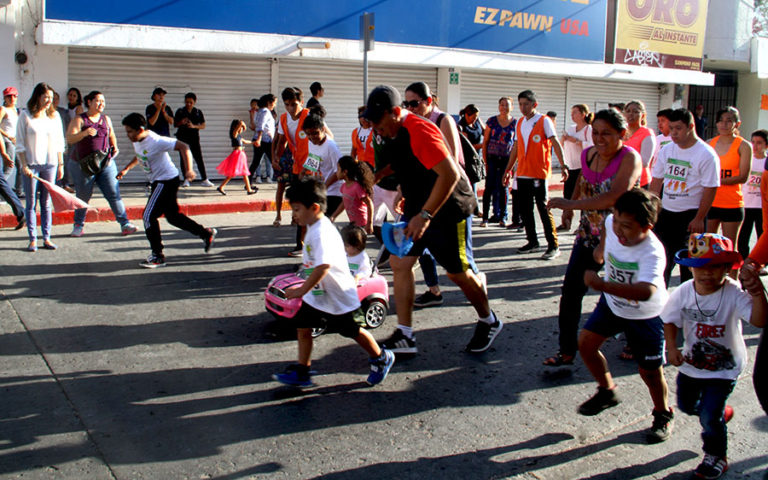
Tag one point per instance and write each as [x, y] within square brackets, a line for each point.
[473, 161]
[474, 166]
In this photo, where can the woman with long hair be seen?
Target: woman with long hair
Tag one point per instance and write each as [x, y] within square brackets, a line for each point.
[40, 149]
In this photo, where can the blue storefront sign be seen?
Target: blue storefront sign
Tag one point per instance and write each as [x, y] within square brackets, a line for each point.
[572, 29]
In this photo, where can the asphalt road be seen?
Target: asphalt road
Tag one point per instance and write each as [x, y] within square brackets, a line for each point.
[113, 371]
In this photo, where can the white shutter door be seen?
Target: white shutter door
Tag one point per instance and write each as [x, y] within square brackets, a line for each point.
[485, 89]
[343, 88]
[597, 94]
[224, 86]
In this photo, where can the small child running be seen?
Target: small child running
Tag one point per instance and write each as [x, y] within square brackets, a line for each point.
[354, 244]
[707, 309]
[329, 293]
[236, 163]
[356, 193]
[633, 295]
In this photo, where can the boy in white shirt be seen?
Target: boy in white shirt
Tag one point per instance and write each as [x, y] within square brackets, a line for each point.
[152, 151]
[633, 294]
[708, 309]
[329, 292]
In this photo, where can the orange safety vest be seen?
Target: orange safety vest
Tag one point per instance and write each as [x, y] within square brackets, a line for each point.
[299, 144]
[364, 152]
[729, 196]
[536, 160]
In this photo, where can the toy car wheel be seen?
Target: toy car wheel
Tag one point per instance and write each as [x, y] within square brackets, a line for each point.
[375, 313]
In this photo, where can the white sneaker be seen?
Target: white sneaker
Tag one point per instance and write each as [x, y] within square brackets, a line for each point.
[185, 184]
[206, 183]
[256, 180]
[77, 231]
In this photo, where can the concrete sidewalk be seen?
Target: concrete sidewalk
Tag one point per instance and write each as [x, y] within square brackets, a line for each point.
[194, 200]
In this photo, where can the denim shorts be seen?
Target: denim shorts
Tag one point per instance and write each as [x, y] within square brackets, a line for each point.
[644, 337]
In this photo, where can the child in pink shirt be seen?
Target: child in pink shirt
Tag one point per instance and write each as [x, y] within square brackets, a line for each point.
[356, 192]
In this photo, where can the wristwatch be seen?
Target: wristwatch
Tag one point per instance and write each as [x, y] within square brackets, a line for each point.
[425, 215]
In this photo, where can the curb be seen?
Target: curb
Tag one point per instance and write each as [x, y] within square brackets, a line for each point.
[135, 212]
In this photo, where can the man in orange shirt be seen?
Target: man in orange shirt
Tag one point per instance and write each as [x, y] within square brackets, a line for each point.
[536, 138]
[438, 206]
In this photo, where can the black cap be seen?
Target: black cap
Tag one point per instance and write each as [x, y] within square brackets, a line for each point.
[382, 99]
[158, 90]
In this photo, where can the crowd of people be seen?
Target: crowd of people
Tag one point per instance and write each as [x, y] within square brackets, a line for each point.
[648, 201]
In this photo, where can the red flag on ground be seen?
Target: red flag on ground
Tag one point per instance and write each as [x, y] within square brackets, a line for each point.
[63, 201]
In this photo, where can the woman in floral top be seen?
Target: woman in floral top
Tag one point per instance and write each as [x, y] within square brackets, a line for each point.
[608, 169]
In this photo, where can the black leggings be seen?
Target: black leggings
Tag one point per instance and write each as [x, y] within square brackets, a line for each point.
[753, 217]
[264, 149]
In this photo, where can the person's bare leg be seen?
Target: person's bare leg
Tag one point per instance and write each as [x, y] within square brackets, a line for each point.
[304, 337]
[657, 387]
[589, 349]
[402, 271]
[473, 290]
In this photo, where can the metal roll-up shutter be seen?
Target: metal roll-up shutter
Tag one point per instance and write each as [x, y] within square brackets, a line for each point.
[343, 88]
[224, 86]
[484, 89]
[597, 94]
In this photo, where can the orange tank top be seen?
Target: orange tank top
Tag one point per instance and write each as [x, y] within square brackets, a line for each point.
[636, 142]
[729, 196]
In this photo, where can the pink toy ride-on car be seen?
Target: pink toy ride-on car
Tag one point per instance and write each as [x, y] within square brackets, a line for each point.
[373, 293]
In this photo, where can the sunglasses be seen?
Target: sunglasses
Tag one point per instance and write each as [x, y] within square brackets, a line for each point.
[411, 104]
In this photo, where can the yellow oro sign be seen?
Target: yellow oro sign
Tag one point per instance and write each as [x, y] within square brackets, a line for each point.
[661, 33]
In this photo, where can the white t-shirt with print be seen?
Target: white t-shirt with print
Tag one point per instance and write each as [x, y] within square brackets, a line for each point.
[685, 173]
[572, 151]
[152, 153]
[714, 346]
[751, 189]
[360, 265]
[527, 126]
[322, 161]
[662, 140]
[643, 262]
[336, 293]
[292, 126]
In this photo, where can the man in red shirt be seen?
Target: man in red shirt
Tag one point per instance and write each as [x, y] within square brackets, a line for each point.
[438, 206]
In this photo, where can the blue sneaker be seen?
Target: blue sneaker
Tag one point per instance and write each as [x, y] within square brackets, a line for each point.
[380, 367]
[292, 377]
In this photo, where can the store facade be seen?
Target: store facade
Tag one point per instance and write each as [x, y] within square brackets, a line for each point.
[469, 52]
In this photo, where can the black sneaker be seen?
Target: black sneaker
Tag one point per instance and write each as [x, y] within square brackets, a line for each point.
[153, 261]
[529, 248]
[552, 252]
[485, 334]
[661, 428]
[209, 239]
[711, 467]
[399, 343]
[428, 299]
[602, 400]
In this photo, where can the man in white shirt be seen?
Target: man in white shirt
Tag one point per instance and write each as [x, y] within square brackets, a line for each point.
[688, 170]
[152, 151]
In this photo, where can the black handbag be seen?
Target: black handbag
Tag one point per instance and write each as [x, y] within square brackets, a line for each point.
[95, 161]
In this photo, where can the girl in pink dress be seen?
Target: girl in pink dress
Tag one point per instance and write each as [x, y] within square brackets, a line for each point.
[236, 163]
[356, 192]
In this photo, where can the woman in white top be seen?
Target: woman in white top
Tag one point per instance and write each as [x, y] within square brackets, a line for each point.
[576, 138]
[40, 148]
